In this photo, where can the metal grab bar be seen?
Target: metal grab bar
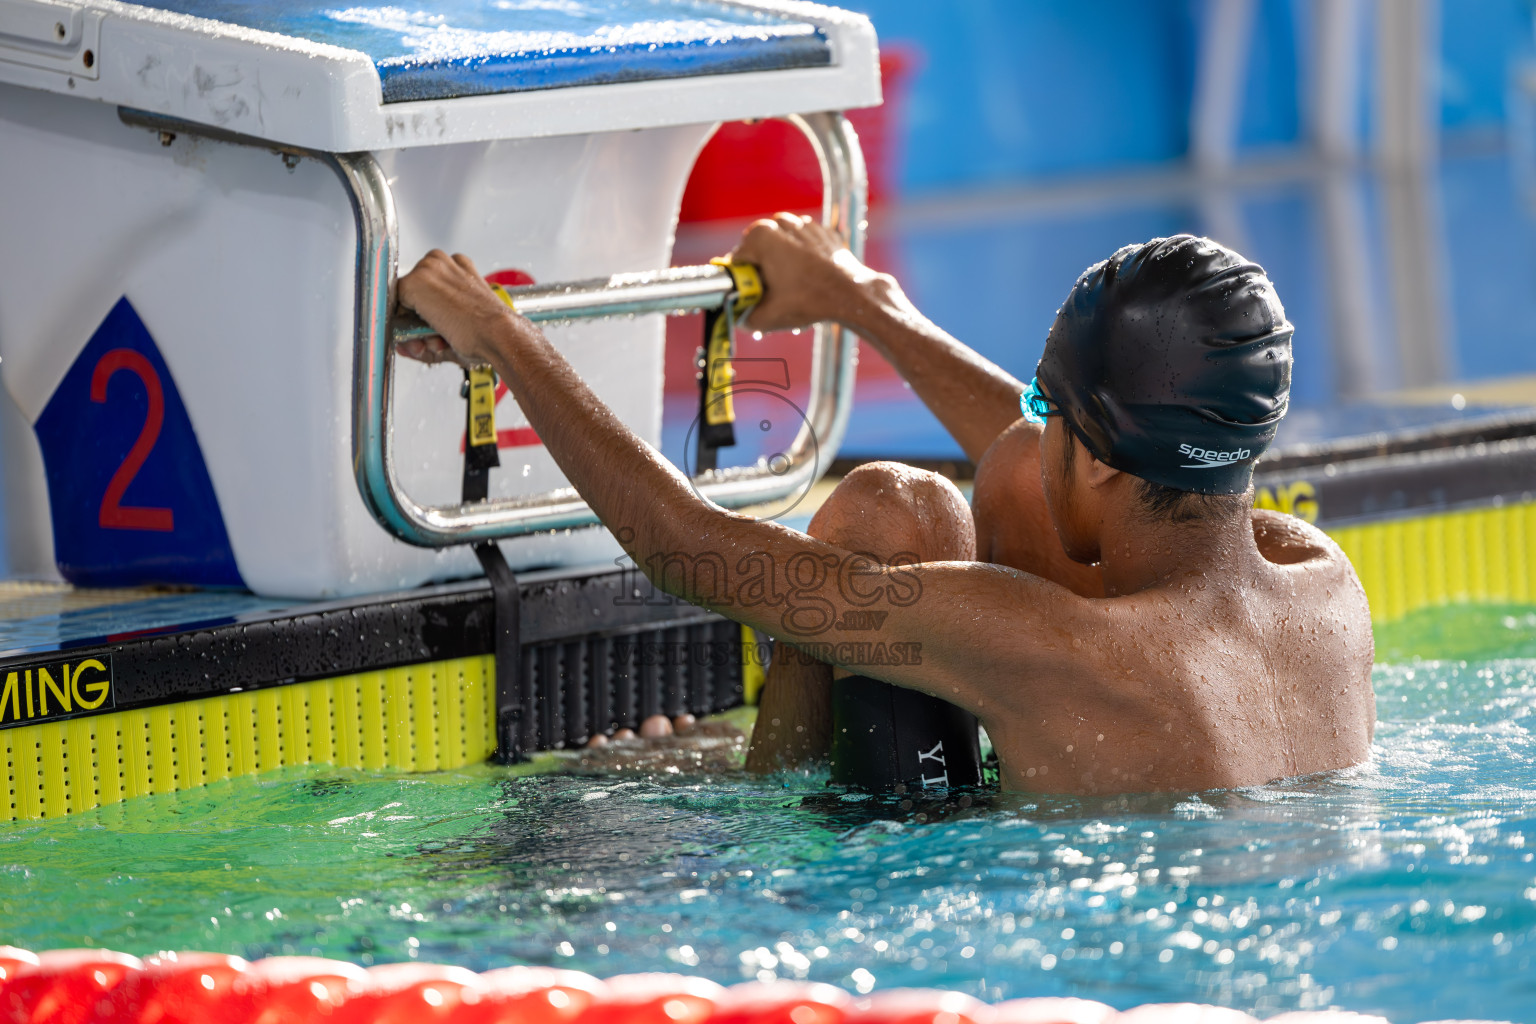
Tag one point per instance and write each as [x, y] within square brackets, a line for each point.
[676, 290]
[833, 357]
[834, 352]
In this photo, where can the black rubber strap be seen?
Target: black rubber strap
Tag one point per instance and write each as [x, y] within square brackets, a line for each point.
[507, 594]
[884, 737]
[510, 699]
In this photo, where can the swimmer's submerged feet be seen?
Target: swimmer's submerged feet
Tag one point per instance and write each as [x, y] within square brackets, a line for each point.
[1118, 617]
[713, 746]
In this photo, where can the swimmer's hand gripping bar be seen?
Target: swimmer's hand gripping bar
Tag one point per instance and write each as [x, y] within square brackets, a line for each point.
[675, 290]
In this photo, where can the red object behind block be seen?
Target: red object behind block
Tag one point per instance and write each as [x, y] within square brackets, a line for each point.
[509, 278]
[751, 170]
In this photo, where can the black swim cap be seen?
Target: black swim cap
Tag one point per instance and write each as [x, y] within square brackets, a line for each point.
[1172, 362]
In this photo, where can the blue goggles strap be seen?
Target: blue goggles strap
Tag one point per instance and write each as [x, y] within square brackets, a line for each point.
[1035, 406]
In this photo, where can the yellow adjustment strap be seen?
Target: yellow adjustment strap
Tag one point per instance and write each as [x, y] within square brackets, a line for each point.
[754, 667]
[482, 394]
[482, 406]
[501, 293]
[749, 283]
[720, 408]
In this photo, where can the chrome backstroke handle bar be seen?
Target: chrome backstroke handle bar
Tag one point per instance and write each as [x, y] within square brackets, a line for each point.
[833, 357]
[833, 353]
[676, 290]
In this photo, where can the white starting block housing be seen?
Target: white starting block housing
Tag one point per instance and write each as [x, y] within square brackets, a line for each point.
[180, 269]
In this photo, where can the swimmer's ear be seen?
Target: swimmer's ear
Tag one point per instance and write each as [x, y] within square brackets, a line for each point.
[1096, 473]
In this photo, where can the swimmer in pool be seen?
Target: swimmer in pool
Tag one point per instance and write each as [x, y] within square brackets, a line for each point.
[1110, 606]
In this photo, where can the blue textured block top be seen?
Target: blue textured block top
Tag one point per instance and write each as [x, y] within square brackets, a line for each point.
[475, 47]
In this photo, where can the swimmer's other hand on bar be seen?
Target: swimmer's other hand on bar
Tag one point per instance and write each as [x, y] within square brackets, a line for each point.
[449, 293]
[809, 275]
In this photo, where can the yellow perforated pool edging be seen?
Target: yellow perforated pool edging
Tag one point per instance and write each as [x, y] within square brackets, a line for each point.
[1474, 555]
[424, 717]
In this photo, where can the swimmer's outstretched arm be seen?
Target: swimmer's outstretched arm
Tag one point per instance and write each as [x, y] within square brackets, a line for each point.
[811, 276]
[981, 636]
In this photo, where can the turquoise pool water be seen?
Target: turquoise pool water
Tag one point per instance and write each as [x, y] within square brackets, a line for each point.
[1406, 888]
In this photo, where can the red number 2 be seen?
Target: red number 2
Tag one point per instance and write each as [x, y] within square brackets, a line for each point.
[114, 515]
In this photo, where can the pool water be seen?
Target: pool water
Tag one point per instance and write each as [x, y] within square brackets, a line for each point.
[1405, 888]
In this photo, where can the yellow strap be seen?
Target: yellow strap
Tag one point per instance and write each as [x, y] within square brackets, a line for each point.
[717, 364]
[482, 406]
[754, 669]
[482, 392]
[717, 354]
[748, 282]
[501, 293]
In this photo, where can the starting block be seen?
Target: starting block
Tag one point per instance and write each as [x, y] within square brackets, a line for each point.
[203, 205]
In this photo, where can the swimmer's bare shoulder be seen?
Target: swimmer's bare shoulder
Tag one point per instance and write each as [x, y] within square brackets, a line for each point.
[1288, 540]
[1315, 562]
[1327, 584]
[1325, 635]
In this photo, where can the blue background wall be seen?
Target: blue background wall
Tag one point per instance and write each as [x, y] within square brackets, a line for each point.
[1007, 99]
[1010, 90]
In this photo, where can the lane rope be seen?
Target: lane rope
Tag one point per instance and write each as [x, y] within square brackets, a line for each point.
[78, 986]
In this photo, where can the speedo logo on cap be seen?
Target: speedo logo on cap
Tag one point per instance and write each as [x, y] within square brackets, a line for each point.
[1210, 458]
